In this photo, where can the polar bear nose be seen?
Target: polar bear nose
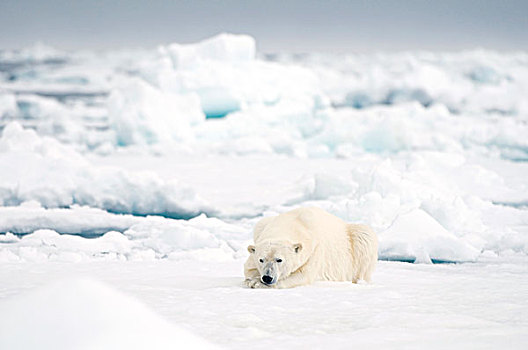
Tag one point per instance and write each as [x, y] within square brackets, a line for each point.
[267, 279]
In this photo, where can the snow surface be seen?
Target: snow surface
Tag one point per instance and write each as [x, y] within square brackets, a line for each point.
[408, 306]
[84, 314]
[147, 169]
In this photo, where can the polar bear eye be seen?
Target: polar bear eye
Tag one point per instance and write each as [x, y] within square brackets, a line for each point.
[279, 260]
[261, 260]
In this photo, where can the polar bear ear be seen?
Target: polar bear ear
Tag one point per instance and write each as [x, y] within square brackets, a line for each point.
[297, 247]
[251, 249]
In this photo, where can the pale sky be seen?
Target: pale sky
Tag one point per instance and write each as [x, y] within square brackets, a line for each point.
[286, 25]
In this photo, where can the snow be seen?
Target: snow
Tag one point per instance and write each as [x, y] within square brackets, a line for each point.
[477, 305]
[7, 104]
[425, 205]
[46, 171]
[223, 72]
[86, 221]
[476, 81]
[39, 52]
[84, 234]
[140, 113]
[316, 106]
[423, 239]
[85, 314]
[222, 47]
[143, 172]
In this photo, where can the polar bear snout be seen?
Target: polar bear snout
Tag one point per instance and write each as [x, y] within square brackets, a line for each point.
[267, 279]
[269, 274]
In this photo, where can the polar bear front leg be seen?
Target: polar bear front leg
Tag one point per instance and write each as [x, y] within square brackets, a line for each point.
[255, 283]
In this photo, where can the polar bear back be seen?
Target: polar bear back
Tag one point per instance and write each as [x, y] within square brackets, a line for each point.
[300, 224]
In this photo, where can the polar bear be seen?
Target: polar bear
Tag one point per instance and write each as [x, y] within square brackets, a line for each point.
[306, 245]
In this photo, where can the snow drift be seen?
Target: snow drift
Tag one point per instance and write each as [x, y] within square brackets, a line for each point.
[85, 314]
[46, 171]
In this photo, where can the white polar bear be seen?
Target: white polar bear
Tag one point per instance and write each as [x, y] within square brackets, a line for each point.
[306, 245]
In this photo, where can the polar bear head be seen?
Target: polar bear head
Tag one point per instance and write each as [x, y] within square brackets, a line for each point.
[276, 260]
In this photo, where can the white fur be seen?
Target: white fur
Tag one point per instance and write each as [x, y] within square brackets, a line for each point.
[313, 245]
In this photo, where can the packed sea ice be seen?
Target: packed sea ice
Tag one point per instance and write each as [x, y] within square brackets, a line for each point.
[172, 155]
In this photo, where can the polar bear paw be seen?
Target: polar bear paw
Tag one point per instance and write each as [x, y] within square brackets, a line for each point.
[255, 283]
